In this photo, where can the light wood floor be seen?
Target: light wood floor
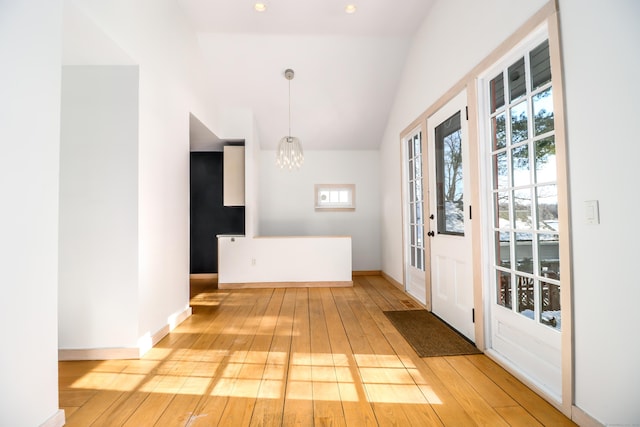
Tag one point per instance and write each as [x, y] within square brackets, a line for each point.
[284, 357]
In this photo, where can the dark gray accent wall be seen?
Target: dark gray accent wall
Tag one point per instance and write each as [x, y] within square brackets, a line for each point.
[208, 215]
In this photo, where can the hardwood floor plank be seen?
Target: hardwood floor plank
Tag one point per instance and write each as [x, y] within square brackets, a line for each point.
[517, 416]
[269, 406]
[473, 403]
[210, 411]
[298, 404]
[539, 408]
[482, 384]
[306, 356]
[356, 408]
[446, 407]
[385, 413]
[327, 405]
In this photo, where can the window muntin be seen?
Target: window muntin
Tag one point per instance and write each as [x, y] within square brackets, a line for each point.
[415, 203]
[525, 201]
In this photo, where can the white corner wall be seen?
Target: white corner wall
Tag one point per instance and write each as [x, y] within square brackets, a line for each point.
[286, 200]
[29, 144]
[600, 45]
[455, 37]
[157, 37]
[600, 42]
[98, 291]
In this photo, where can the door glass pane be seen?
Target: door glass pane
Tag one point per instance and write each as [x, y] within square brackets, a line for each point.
[520, 165]
[496, 88]
[517, 83]
[547, 201]
[549, 256]
[449, 187]
[498, 125]
[504, 289]
[522, 209]
[524, 252]
[415, 202]
[545, 158]
[525, 295]
[519, 125]
[550, 297]
[500, 170]
[540, 65]
[543, 112]
[503, 249]
[503, 219]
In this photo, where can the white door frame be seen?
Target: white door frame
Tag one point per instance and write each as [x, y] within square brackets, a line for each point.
[416, 282]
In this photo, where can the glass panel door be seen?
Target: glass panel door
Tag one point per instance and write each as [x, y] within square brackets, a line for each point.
[525, 207]
[416, 202]
[524, 274]
[414, 217]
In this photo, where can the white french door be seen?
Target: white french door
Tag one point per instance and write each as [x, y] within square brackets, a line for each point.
[414, 207]
[522, 224]
[449, 224]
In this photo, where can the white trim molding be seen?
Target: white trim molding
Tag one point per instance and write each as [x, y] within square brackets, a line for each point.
[56, 420]
[145, 343]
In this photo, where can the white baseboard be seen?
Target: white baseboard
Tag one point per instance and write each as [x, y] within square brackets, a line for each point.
[98, 354]
[583, 419]
[144, 344]
[393, 281]
[269, 285]
[174, 321]
[56, 420]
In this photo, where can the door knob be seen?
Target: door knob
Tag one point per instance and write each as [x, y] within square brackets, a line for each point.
[431, 233]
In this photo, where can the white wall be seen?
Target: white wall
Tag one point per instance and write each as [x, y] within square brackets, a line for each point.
[283, 259]
[455, 36]
[601, 61]
[29, 144]
[600, 45]
[286, 200]
[157, 37]
[98, 298]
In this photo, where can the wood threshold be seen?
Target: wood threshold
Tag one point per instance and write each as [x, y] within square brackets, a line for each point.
[367, 273]
[203, 276]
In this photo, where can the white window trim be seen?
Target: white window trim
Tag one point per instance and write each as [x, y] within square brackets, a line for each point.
[324, 205]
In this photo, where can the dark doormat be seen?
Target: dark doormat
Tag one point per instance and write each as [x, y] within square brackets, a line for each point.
[428, 335]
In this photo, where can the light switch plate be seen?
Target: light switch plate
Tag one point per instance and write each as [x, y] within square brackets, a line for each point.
[591, 212]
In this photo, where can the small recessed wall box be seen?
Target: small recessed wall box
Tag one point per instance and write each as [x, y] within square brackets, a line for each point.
[591, 212]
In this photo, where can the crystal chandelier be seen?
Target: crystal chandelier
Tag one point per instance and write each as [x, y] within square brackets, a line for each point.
[289, 154]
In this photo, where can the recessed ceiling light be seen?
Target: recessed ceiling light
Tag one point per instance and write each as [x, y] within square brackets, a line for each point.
[260, 7]
[350, 8]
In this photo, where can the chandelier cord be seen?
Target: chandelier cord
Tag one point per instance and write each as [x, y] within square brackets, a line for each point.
[289, 108]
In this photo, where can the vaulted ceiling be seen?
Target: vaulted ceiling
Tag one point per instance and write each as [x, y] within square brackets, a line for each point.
[347, 66]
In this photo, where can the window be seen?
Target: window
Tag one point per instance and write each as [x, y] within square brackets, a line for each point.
[524, 191]
[331, 197]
